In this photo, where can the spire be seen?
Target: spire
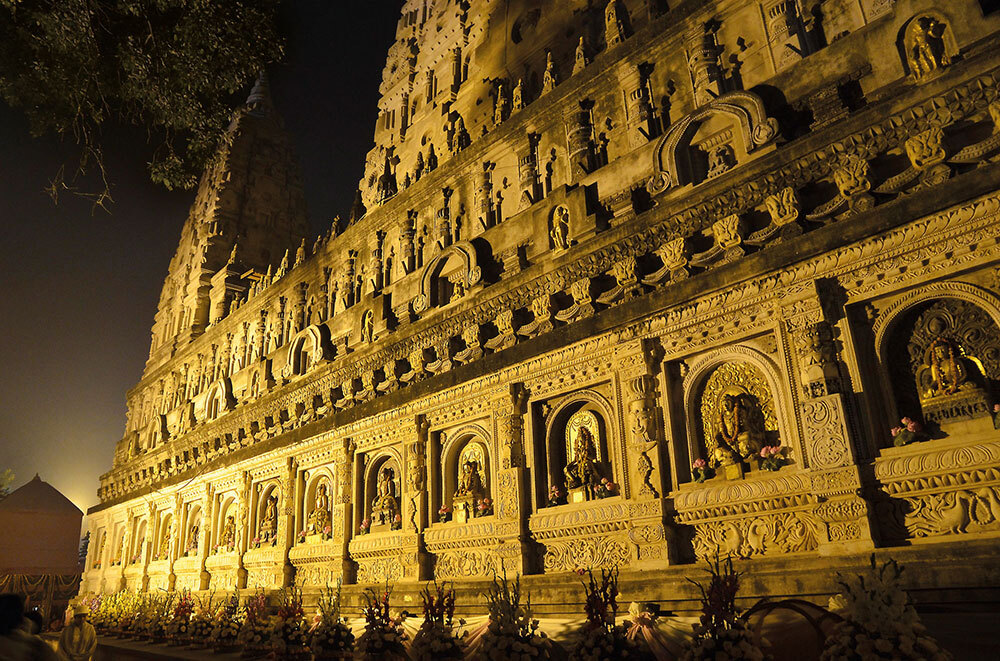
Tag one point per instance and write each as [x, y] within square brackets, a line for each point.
[259, 100]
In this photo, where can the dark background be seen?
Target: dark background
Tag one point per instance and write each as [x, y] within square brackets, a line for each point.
[78, 287]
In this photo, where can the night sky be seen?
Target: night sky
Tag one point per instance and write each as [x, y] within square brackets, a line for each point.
[78, 290]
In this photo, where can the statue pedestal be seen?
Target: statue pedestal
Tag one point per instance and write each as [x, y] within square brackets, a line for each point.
[315, 538]
[463, 508]
[578, 495]
[735, 471]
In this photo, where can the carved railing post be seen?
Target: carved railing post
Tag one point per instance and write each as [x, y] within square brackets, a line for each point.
[645, 479]
[826, 436]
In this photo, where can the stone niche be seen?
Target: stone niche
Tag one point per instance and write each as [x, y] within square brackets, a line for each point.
[222, 562]
[264, 561]
[463, 534]
[318, 553]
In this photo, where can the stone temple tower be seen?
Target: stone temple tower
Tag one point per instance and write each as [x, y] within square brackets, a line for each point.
[249, 210]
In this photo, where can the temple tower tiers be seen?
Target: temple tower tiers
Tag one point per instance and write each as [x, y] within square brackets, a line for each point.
[626, 283]
[249, 209]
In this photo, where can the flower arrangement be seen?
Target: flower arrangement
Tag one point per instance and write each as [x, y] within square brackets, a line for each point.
[996, 416]
[301, 536]
[253, 635]
[288, 633]
[512, 634]
[136, 558]
[397, 523]
[365, 526]
[203, 621]
[880, 622]
[157, 615]
[721, 631]
[911, 431]
[601, 638]
[227, 624]
[98, 612]
[772, 457]
[444, 513]
[384, 636]
[329, 637]
[256, 542]
[485, 507]
[436, 638]
[606, 488]
[702, 471]
[177, 629]
[327, 532]
[556, 496]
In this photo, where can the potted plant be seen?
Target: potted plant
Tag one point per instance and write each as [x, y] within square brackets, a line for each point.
[556, 496]
[910, 431]
[364, 527]
[702, 471]
[772, 457]
[485, 507]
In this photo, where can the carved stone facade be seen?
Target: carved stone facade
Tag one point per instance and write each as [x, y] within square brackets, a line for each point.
[619, 309]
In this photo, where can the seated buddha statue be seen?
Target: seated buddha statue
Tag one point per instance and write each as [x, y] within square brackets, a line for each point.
[228, 537]
[943, 371]
[319, 517]
[269, 522]
[583, 471]
[741, 429]
[163, 552]
[470, 482]
[384, 505]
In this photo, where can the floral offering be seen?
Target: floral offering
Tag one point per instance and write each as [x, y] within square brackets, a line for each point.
[436, 638]
[701, 470]
[512, 633]
[772, 457]
[329, 636]
[909, 431]
[227, 623]
[384, 637]
[288, 632]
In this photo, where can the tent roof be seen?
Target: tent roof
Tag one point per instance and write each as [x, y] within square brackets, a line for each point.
[38, 496]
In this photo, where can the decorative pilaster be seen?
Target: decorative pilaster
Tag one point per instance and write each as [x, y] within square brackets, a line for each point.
[513, 486]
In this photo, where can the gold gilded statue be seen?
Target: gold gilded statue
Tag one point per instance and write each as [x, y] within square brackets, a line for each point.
[384, 505]
[164, 551]
[228, 532]
[269, 522]
[470, 481]
[943, 372]
[741, 429]
[582, 471]
[319, 517]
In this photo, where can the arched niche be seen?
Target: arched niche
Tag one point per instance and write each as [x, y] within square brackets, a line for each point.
[224, 530]
[316, 515]
[137, 542]
[750, 381]
[926, 44]
[268, 507]
[466, 473]
[161, 549]
[118, 548]
[308, 348]
[711, 140]
[100, 540]
[939, 355]
[578, 447]
[448, 276]
[219, 399]
[192, 530]
[383, 492]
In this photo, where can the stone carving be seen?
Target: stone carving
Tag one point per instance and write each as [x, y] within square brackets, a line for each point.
[737, 413]
[614, 28]
[549, 75]
[560, 228]
[925, 46]
[582, 472]
[784, 209]
[268, 530]
[580, 60]
[385, 504]
[728, 244]
[826, 432]
[319, 516]
[786, 532]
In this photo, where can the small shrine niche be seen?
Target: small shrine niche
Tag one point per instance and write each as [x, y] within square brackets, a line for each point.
[943, 364]
[101, 541]
[737, 418]
[467, 480]
[316, 508]
[927, 45]
[225, 539]
[163, 541]
[448, 277]
[193, 531]
[137, 542]
[118, 550]
[267, 516]
[382, 488]
[579, 462]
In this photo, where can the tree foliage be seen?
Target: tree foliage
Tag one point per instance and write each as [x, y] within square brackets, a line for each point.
[171, 67]
[6, 479]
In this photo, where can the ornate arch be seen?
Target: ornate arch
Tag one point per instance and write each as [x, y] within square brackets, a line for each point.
[221, 391]
[702, 368]
[317, 338]
[746, 108]
[451, 453]
[466, 253]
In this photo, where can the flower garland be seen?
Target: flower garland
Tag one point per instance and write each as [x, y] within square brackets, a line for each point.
[879, 622]
[721, 631]
[436, 638]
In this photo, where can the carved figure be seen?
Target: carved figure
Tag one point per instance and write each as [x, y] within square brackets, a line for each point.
[720, 160]
[500, 110]
[741, 429]
[269, 521]
[163, 552]
[583, 471]
[926, 52]
[943, 371]
[470, 482]
[319, 517]
[560, 228]
[549, 77]
[367, 326]
[517, 96]
[385, 506]
[228, 537]
[580, 58]
[192, 547]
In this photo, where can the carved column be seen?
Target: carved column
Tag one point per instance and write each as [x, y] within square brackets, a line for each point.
[414, 560]
[173, 550]
[527, 168]
[286, 519]
[342, 518]
[645, 471]
[580, 139]
[826, 435]
[243, 529]
[205, 534]
[407, 234]
[513, 486]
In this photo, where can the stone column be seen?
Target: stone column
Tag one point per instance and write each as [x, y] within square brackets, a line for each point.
[205, 534]
[286, 519]
[646, 469]
[243, 530]
[826, 434]
[415, 563]
[342, 518]
[513, 486]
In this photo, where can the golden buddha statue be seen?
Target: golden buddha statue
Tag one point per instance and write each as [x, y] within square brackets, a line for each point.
[228, 537]
[741, 429]
[943, 372]
[319, 517]
[384, 505]
[163, 553]
[269, 522]
[582, 471]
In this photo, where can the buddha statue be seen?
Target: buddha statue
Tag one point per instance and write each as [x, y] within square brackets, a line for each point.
[269, 522]
[228, 537]
[192, 548]
[163, 553]
[319, 517]
[470, 482]
[741, 429]
[943, 371]
[384, 505]
[583, 471]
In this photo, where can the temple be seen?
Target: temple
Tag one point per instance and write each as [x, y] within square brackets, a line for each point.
[627, 283]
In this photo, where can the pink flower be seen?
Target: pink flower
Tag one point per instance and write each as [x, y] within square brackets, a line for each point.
[895, 430]
[906, 421]
[699, 463]
[580, 571]
[996, 408]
